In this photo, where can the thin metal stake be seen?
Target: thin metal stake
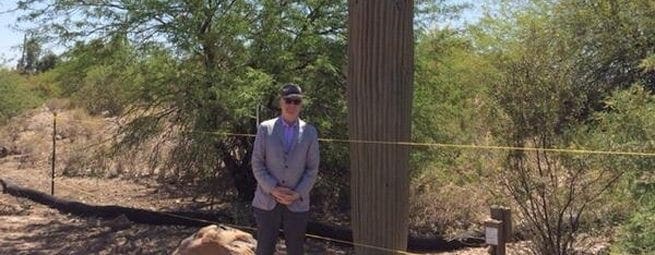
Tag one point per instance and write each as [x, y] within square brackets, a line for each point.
[54, 151]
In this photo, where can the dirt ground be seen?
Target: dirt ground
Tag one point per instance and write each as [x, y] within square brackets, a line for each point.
[31, 228]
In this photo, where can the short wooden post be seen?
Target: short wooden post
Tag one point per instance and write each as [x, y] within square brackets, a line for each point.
[503, 214]
[498, 229]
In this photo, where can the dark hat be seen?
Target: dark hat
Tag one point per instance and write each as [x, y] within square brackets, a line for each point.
[290, 90]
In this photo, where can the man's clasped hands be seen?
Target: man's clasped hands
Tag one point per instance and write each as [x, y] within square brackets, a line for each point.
[284, 195]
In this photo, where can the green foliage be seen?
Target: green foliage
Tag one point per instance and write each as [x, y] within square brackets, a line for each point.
[97, 76]
[638, 234]
[47, 62]
[427, 13]
[451, 102]
[557, 62]
[452, 105]
[31, 51]
[628, 125]
[110, 76]
[102, 91]
[15, 95]
[33, 59]
[648, 64]
[542, 101]
[46, 85]
[610, 39]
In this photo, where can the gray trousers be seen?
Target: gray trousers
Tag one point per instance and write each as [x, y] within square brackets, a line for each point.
[268, 225]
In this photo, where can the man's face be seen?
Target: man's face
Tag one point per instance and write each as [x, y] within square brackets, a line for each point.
[291, 107]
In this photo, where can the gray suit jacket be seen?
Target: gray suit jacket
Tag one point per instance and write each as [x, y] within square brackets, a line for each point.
[296, 170]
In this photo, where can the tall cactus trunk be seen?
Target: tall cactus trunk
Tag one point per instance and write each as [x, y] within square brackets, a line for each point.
[380, 91]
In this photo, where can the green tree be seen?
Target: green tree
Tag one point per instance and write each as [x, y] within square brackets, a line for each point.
[610, 39]
[100, 76]
[29, 60]
[47, 62]
[206, 66]
[627, 125]
[33, 59]
[543, 102]
[452, 105]
[452, 100]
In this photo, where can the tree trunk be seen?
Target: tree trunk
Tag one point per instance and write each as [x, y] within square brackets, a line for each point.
[380, 89]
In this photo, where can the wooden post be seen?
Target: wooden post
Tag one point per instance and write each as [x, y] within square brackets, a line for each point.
[503, 214]
[54, 151]
[498, 229]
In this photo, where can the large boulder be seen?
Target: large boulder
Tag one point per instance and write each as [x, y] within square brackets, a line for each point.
[217, 240]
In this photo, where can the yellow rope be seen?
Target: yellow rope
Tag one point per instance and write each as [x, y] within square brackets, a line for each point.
[449, 145]
[463, 146]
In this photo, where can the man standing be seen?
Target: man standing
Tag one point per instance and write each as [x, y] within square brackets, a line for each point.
[285, 162]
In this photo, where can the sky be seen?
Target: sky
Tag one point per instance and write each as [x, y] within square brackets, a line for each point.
[10, 39]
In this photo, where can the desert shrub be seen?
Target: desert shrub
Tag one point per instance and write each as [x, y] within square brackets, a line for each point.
[15, 95]
[627, 125]
[104, 91]
[444, 203]
[637, 236]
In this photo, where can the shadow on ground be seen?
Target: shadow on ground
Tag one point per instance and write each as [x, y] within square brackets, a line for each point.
[91, 236]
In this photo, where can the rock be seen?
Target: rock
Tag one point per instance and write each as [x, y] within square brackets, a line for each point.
[215, 240]
[119, 223]
[3, 152]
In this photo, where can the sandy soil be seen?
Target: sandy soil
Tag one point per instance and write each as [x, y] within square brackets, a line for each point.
[32, 228]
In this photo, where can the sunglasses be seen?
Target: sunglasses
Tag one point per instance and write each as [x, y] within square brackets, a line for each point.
[292, 101]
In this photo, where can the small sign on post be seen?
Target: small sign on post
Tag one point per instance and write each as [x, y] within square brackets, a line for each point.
[494, 236]
[492, 231]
